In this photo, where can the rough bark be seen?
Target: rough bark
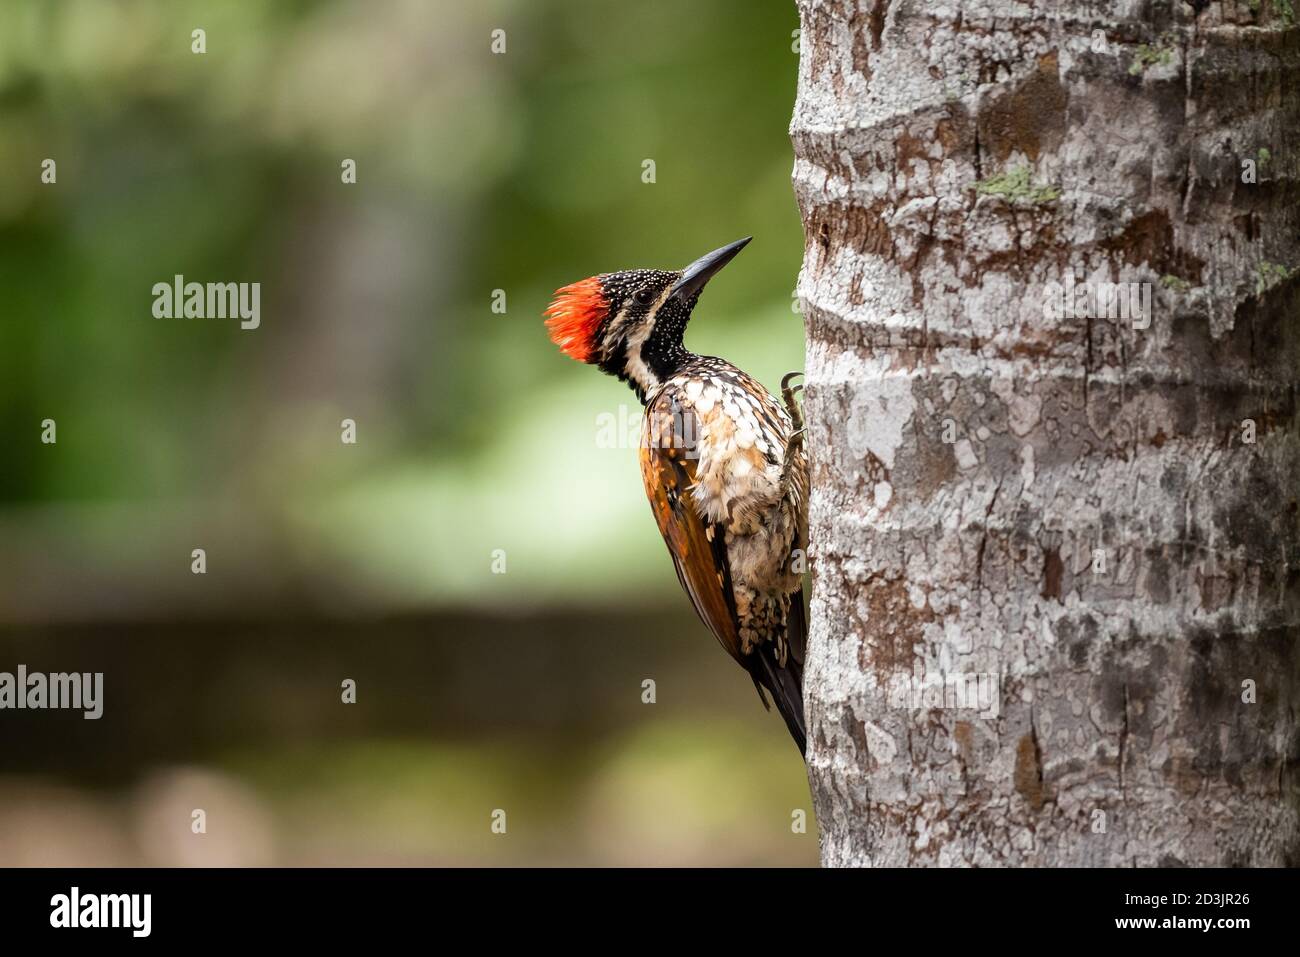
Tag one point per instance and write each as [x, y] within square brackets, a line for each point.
[1071, 505]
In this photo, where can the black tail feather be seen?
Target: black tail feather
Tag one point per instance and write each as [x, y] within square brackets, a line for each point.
[785, 683]
[785, 687]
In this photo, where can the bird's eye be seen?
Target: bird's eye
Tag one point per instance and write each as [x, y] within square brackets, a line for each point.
[644, 296]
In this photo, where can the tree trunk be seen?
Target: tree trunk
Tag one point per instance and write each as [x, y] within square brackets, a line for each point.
[1089, 522]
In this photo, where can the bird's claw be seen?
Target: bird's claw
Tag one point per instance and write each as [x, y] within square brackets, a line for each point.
[787, 394]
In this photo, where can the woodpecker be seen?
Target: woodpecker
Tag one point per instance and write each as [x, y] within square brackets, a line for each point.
[722, 461]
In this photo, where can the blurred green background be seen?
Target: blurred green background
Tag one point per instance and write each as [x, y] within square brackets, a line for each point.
[476, 172]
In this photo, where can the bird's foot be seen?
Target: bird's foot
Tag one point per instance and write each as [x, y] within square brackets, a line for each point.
[791, 406]
[794, 440]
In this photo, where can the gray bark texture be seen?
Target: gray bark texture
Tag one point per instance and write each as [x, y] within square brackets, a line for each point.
[1099, 514]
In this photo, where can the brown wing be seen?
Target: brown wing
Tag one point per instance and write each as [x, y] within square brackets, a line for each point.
[698, 549]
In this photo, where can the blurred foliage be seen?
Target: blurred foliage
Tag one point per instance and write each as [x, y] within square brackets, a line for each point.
[662, 795]
[476, 172]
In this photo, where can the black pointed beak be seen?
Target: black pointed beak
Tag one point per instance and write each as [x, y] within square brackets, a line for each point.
[705, 268]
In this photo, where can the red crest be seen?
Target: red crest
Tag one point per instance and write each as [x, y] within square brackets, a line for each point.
[574, 315]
